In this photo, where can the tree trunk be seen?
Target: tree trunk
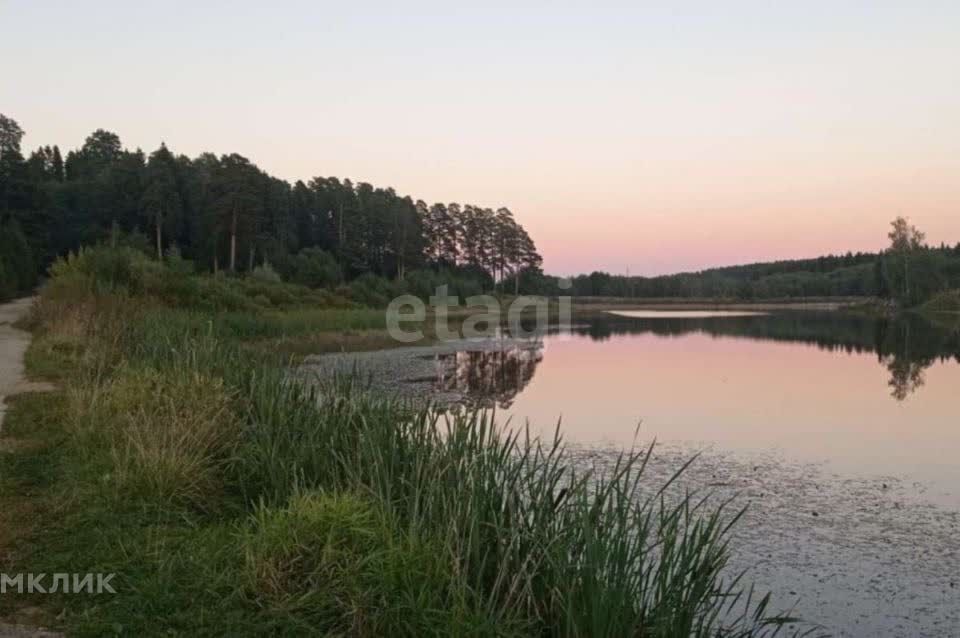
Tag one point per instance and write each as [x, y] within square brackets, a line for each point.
[340, 251]
[253, 250]
[159, 241]
[233, 242]
[906, 278]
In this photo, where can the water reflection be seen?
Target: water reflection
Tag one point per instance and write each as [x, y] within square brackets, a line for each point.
[488, 378]
[906, 347]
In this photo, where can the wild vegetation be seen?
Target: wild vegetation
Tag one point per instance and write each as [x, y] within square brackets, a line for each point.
[228, 497]
[225, 214]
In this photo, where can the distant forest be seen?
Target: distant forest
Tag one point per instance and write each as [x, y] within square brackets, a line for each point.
[909, 271]
[224, 215]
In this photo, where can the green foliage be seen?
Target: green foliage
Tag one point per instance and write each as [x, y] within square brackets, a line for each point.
[314, 268]
[176, 263]
[914, 277]
[17, 266]
[227, 214]
[323, 557]
[105, 270]
[370, 290]
[265, 274]
[928, 270]
[460, 283]
[128, 271]
[7, 289]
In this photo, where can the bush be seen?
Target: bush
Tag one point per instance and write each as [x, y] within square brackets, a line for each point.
[177, 264]
[460, 283]
[18, 271]
[315, 268]
[126, 271]
[265, 273]
[105, 270]
[370, 290]
[7, 287]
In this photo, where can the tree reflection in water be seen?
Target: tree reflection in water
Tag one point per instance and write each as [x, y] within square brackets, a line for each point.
[905, 346]
[489, 378]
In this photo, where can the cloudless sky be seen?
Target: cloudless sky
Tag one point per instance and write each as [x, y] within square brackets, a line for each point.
[652, 136]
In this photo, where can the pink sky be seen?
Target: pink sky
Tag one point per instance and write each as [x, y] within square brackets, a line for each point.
[651, 138]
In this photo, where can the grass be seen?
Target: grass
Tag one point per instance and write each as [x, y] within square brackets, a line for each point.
[231, 500]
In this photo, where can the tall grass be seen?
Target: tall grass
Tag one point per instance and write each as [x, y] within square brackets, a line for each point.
[529, 540]
[362, 515]
[537, 543]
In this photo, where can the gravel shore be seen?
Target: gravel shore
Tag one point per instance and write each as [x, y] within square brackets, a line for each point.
[412, 372]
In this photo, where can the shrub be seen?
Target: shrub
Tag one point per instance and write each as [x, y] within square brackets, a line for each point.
[265, 273]
[370, 290]
[315, 268]
[460, 283]
[18, 271]
[177, 264]
[7, 288]
[101, 269]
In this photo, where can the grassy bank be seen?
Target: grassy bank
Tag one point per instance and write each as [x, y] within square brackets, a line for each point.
[229, 500]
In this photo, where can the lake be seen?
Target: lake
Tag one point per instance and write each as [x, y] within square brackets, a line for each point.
[841, 434]
[863, 395]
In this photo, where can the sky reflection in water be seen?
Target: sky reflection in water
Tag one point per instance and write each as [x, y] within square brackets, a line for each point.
[863, 395]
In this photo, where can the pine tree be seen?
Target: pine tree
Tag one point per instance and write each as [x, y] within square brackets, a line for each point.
[161, 202]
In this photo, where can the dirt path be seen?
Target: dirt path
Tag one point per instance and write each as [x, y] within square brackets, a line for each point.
[13, 344]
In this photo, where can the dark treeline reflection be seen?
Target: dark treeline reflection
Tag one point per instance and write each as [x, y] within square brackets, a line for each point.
[906, 346]
[488, 378]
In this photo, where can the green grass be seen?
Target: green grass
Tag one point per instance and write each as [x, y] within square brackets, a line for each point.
[231, 500]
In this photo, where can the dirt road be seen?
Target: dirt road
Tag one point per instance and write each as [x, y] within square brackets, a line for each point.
[13, 343]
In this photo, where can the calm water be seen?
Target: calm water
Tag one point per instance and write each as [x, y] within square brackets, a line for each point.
[866, 397]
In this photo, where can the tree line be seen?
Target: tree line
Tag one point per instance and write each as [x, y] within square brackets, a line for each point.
[224, 213]
[908, 271]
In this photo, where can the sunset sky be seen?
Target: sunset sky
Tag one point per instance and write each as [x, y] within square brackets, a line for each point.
[655, 138]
